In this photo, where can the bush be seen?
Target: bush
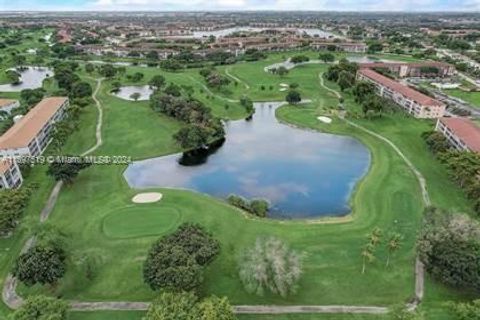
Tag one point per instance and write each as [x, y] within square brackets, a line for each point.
[258, 207]
[449, 246]
[41, 308]
[12, 206]
[270, 265]
[176, 260]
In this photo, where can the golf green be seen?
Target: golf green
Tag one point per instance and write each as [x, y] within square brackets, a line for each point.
[137, 221]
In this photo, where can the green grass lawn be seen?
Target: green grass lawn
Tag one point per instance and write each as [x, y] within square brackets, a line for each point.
[107, 228]
[472, 98]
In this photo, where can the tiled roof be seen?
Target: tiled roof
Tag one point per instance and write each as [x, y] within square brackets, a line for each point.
[6, 102]
[22, 132]
[407, 92]
[466, 130]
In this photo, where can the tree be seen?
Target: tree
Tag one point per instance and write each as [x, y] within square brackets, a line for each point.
[66, 171]
[465, 310]
[345, 80]
[449, 246]
[186, 306]
[363, 89]
[214, 308]
[157, 81]
[173, 306]
[40, 264]
[135, 96]
[282, 71]
[293, 97]
[375, 46]
[81, 89]
[192, 136]
[13, 76]
[107, 70]
[299, 59]
[326, 57]
[152, 55]
[175, 261]
[89, 68]
[41, 308]
[367, 255]
[394, 243]
[270, 265]
[32, 96]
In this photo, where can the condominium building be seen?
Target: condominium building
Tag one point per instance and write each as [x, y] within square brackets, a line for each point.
[413, 102]
[31, 134]
[10, 176]
[7, 105]
[414, 69]
[461, 133]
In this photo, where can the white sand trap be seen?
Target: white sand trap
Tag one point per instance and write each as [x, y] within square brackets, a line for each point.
[284, 85]
[147, 197]
[325, 119]
[283, 89]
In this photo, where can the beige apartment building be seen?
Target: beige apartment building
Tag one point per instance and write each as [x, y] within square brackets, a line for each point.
[29, 136]
[461, 133]
[411, 101]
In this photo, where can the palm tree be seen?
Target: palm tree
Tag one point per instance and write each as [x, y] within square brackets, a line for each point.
[367, 255]
[393, 245]
[375, 236]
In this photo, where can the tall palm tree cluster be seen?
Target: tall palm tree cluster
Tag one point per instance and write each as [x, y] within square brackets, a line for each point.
[374, 239]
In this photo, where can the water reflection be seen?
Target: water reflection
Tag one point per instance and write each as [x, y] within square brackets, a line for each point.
[127, 93]
[302, 173]
[30, 78]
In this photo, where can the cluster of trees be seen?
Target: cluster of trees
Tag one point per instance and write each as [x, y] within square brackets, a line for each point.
[41, 308]
[253, 54]
[66, 171]
[293, 97]
[374, 239]
[176, 261]
[299, 59]
[201, 127]
[281, 71]
[342, 73]
[45, 261]
[326, 57]
[70, 82]
[449, 246]
[213, 78]
[13, 76]
[136, 77]
[12, 206]
[187, 306]
[257, 207]
[64, 128]
[247, 103]
[465, 310]
[270, 265]
[463, 167]
[372, 105]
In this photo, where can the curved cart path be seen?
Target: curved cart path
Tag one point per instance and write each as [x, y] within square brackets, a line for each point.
[246, 85]
[14, 301]
[419, 267]
[9, 293]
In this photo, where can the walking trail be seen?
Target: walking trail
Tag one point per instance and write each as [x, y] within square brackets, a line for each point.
[246, 85]
[9, 294]
[14, 301]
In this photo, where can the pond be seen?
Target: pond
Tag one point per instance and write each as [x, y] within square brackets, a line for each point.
[126, 92]
[303, 173]
[31, 78]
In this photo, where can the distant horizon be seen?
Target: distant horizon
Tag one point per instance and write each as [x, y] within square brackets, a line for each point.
[341, 6]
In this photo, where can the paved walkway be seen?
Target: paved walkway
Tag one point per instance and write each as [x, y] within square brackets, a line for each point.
[246, 85]
[419, 267]
[14, 301]
[9, 293]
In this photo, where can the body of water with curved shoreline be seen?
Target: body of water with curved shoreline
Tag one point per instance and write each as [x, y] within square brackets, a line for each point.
[303, 173]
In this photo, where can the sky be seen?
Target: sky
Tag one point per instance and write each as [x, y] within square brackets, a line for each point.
[201, 5]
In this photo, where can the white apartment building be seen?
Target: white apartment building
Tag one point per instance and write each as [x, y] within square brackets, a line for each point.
[7, 105]
[10, 176]
[413, 102]
[461, 133]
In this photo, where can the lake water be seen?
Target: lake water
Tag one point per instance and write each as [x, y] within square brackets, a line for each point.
[31, 77]
[126, 92]
[303, 173]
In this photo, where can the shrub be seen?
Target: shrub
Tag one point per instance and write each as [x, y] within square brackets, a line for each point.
[270, 265]
[41, 308]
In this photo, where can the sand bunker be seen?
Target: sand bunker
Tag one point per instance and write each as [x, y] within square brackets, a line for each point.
[147, 197]
[325, 119]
